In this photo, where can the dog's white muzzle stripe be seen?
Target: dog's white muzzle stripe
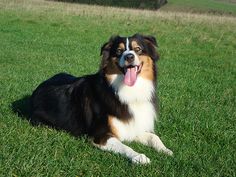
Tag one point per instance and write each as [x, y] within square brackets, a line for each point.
[126, 52]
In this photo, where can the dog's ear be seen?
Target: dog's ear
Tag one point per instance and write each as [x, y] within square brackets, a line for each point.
[150, 43]
[151, 39]
[105, 51]
[107, 46]
[152, 46]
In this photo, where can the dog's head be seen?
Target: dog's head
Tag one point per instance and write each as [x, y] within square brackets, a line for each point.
[131, 57]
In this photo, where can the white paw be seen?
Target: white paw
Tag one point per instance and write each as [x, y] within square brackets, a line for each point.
[167, 151]
[140, 159]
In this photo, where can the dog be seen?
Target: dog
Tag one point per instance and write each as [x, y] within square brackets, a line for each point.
[118, 103]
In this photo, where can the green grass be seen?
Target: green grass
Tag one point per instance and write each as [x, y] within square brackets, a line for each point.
[202, 6]
[196, 89]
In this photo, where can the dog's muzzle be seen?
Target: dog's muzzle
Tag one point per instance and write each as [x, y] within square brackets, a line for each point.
[131, 67]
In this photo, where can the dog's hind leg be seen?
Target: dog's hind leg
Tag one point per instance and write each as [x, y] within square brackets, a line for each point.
[115, 145]
[154, 141]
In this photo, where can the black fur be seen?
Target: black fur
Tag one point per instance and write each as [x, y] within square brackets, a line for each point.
[77, 105]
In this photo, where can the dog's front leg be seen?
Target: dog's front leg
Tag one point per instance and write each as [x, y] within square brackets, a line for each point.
[115, 145]
[154, 141]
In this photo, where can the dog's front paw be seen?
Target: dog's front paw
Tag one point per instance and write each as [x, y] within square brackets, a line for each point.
[167, 151]
[140, 159]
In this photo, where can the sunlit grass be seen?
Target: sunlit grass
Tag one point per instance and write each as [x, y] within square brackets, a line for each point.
[196, 88]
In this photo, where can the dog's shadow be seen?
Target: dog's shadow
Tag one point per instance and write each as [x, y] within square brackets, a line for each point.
[22, 107]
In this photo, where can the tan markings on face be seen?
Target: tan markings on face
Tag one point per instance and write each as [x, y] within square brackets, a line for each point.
[120, 49]
[134, 44]
[147, 68]
[113, 129]
[136, 47]
[121, 46]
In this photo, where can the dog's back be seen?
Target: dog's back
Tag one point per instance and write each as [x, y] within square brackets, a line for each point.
[51, 103]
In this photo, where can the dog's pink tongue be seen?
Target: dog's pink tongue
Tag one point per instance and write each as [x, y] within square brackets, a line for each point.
[130, 76]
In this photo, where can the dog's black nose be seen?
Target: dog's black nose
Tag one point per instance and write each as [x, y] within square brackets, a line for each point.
[129, 57]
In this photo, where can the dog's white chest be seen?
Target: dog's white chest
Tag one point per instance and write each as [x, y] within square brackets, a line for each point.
[138, 98]
[143, 121]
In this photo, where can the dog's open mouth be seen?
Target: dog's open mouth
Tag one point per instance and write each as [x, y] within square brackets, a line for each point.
[131, 72]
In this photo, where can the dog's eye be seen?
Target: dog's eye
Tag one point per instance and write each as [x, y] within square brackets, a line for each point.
[138, 50]
[119, 52]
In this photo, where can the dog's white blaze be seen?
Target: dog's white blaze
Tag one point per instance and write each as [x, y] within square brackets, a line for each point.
[138, 98]
[127, 44]
[128, 51]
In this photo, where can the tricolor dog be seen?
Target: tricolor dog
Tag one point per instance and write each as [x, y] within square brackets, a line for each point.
[116, 104]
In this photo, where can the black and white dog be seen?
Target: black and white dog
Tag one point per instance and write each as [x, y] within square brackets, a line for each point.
[116, 104]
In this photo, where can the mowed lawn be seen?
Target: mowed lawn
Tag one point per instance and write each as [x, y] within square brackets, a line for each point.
[196, 88]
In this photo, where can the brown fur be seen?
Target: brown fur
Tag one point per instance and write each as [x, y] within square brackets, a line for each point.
[121, 46]
[112, 127]
[147, 68]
